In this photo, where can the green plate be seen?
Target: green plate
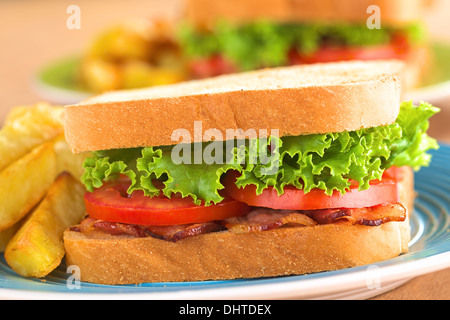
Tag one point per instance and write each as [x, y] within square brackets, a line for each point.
[436, 83]
[440, 72]
[59, 81]
[63, 74]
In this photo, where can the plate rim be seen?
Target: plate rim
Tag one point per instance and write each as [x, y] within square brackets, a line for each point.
[286, 287]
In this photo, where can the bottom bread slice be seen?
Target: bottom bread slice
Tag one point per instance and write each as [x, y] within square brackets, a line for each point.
[107, 259]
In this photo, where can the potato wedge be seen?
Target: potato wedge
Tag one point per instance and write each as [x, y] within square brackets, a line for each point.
[6, 235]
[37, 248]
[25, 182]
[27, 127]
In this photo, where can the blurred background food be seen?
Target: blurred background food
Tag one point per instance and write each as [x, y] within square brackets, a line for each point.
[35, 35]
[133, 54]
[124, 46]
[239, 35]
[210, 38]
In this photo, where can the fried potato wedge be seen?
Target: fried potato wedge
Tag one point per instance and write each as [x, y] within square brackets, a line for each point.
[27, 127]
[6, 235]
[37, 248]
[25, 182]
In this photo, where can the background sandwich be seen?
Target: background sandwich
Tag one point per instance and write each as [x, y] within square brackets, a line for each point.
[338, 195]
[229, 36]
[210, 38]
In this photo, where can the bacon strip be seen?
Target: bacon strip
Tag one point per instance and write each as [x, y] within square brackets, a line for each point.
[90, 224]
[256, 221]
[85, 226]
[116, 228]
[169, 233]
[374, 216]
[379, 215]
[178, 232]
[267, 219]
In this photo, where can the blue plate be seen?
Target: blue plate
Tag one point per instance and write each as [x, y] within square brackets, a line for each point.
[429, 252]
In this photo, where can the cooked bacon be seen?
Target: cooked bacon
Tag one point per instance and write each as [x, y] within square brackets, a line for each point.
[267, 219]
[178, 232]
[85, 226]
[90, 224]
[256, 221]
[116, 228]
[326, 216]
[378, 215]
[374, 216]
[169, 233]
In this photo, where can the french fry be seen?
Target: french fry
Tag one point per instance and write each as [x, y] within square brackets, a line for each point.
[27, 127]
[25, 182]
[37, 248]
[6, 235]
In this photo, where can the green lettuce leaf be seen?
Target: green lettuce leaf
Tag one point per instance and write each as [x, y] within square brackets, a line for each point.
[267, 44]
[412, 149]
[323, 161]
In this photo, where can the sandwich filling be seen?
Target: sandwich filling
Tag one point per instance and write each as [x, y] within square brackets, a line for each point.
[347, 177]
[228, 48]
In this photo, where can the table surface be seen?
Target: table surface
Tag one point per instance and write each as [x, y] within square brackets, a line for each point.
[34, 32]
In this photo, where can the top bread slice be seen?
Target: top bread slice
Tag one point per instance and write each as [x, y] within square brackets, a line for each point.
[205, 13]
[300, 100]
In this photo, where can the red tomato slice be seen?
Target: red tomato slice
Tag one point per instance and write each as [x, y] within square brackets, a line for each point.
[210, 67]
[397, 49]
[380, 192]
[112, 203]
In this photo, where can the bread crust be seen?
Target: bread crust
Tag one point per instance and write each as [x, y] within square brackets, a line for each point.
[319, 98]
[107, 259]
[205, 13]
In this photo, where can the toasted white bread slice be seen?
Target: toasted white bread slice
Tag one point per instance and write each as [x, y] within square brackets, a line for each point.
[300, 100]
